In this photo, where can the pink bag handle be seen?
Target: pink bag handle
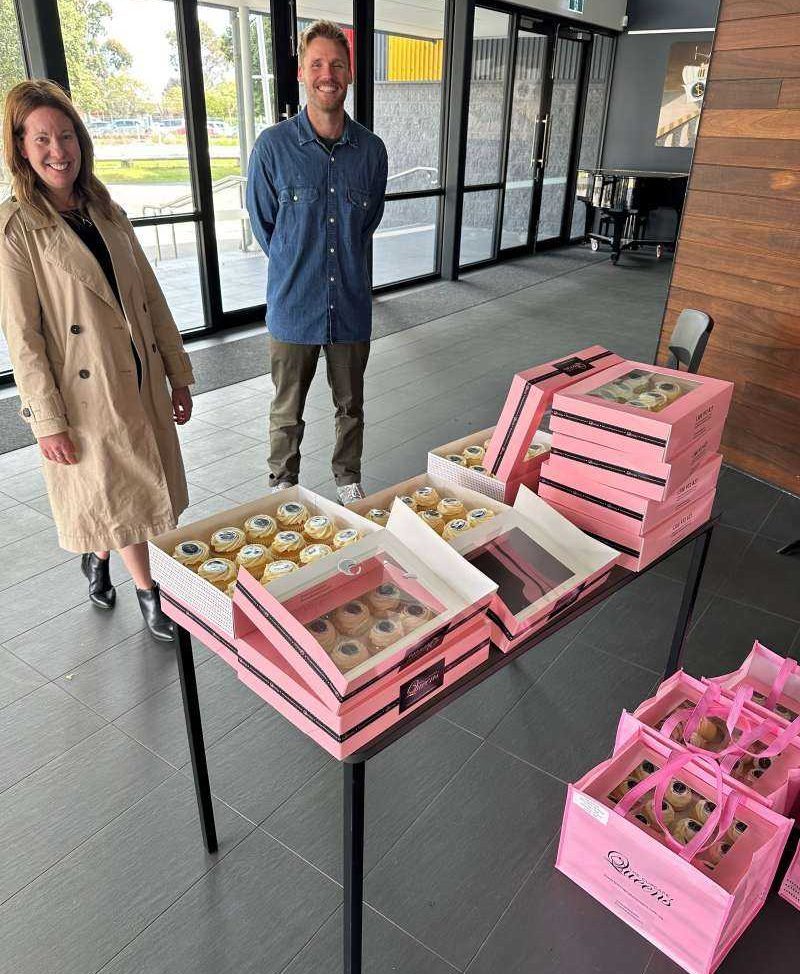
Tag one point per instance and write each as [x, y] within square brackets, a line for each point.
[719, 820]
[709, 705]
[783, 737]
[788, 666]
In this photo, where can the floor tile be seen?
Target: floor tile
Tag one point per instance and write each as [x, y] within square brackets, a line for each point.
[18, 461]
[552, 918]
[385, 949]
[566, 722]
[99, 897]
[725, 634]
[37, 728]
[215, 446]
[29, 557]
[400, 782]
[240, 411]
[25, 486]
[453, 873]
[20, 521]
[49, 813]
[767, 580]
[728, 546]
[159, 724]
[6, 502]
[218, 398]
[743, 501]
[207, 508]
[250, 914]
[16, 678]
[783, 524]
[224, 473]
[262, 762]
[24, 605]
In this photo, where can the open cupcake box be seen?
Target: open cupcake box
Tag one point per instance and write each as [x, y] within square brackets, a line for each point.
[529, 398]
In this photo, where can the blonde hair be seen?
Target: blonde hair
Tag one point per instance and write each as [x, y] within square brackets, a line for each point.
[26, 186]
[326, 29]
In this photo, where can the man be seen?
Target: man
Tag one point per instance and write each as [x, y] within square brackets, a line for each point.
[315, 197]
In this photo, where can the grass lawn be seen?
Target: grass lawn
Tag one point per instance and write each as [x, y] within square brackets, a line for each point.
[157, 170]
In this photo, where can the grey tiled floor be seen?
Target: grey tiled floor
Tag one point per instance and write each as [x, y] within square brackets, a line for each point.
[102, 866]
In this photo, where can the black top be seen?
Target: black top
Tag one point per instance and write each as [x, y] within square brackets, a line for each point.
[328, 143]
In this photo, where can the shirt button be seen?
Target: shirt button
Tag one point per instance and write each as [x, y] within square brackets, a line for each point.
[332, 219]
[84, 373]
[332, 158]
[331, 307]
[332, 250]
[294, 198]
[333, 190]
[364, 204]
[75, 329]
[331, 280]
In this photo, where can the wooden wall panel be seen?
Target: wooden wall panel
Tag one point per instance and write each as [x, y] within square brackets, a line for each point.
[738, 255]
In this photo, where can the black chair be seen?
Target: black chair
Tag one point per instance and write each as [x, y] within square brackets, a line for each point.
[689, 339]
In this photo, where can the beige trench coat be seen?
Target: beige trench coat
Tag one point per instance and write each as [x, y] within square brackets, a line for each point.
[70, 346]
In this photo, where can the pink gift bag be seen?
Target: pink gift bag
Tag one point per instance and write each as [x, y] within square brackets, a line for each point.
[790, 887]
[750, 744]
[774, 679]
[693, 894]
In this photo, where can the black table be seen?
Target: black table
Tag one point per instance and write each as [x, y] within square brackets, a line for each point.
[354, 766]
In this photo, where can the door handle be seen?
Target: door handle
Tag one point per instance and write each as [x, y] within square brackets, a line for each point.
[533, 142]
[542, 160]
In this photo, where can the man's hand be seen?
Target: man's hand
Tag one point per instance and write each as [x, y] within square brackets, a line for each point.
[58, 448]
[181, 405]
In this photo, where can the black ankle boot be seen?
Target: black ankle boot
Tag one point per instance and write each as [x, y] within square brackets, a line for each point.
[160, 626]
[101, 592]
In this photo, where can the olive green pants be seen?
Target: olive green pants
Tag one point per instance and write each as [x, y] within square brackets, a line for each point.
[293, 368]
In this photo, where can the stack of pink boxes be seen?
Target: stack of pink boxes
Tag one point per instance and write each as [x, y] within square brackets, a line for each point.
[634, 458]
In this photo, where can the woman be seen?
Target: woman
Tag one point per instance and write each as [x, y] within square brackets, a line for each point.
[91, 340]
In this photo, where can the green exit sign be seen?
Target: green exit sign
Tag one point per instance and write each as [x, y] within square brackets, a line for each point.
[576, 6]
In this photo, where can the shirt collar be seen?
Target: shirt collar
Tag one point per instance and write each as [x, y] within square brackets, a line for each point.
[306, 133]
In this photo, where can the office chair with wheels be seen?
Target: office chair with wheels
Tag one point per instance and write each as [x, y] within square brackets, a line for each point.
[689, 339]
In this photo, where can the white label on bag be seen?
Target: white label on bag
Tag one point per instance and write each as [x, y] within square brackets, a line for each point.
[591, 807]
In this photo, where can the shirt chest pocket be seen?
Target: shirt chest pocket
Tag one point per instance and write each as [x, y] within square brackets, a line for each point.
[358, 199]
[297, 196]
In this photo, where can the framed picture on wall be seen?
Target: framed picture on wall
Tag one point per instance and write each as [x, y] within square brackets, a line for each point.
[682, 98]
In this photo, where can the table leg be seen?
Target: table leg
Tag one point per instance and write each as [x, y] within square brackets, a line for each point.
[353, 865]
[194, 729]
[690, 589]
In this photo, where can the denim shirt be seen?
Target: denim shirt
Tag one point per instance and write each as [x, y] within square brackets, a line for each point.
[313, 213]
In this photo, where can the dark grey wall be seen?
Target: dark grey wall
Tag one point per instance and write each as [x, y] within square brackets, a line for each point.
[638, 82]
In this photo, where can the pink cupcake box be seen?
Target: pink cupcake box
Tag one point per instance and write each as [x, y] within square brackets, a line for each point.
[656, 480]
[639, 550]
[408, 555]
[628, 512]
[691, 914]
[689, 408]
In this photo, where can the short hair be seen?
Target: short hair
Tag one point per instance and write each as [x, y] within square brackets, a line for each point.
[323, 28]
[26, 186]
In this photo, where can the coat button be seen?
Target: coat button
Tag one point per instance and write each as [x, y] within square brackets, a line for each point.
[154, 347]
[84, 373]
[144, 307]
[75, 329]
[26, 412]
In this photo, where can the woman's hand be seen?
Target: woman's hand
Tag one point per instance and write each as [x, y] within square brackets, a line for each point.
[58, 448]
[181, 405]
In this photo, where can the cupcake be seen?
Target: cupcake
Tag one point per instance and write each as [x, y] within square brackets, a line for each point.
[667, 813]
[383, 634]
[478, 515]
[192, 554]
[261, 529]
[352, 618]
[652, 401]
[703, 809]
[486, 445]
[277, 569]
[378, 516]
[349, 653]
[753, 776]
[456, 458]
[433, 519]
[383, 599]
[219, 571]
[455, 527]
[345, 537]
[678, 794]
[409, 501]
[426, 498]
[255, 558]
[715, 852]
[736, 830]
[292, 514]
[763, 764]
[314, 552]
[231, 589]
[708, 729]
[481, 469]
[634, 382]
[324, 633]
[450, 507]
[536, 450]
[686, 830]
[668, 388]
[414, 615]
[622, 789]
[473, 455]
[319, 528]
[288, 545]
[227, 541]
[644, 770]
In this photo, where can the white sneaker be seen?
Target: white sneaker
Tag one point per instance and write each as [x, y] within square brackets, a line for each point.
[283, 485]
[350, 493]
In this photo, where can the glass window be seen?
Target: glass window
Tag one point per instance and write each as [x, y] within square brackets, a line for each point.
[238, 95]
[173, 255]
[404, 245]
[341, 13]
[122, 59]
[485, 120]
[477, 226]
[12, 71]
[409, 55]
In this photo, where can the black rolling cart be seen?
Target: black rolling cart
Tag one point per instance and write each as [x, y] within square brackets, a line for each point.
[354, 766]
